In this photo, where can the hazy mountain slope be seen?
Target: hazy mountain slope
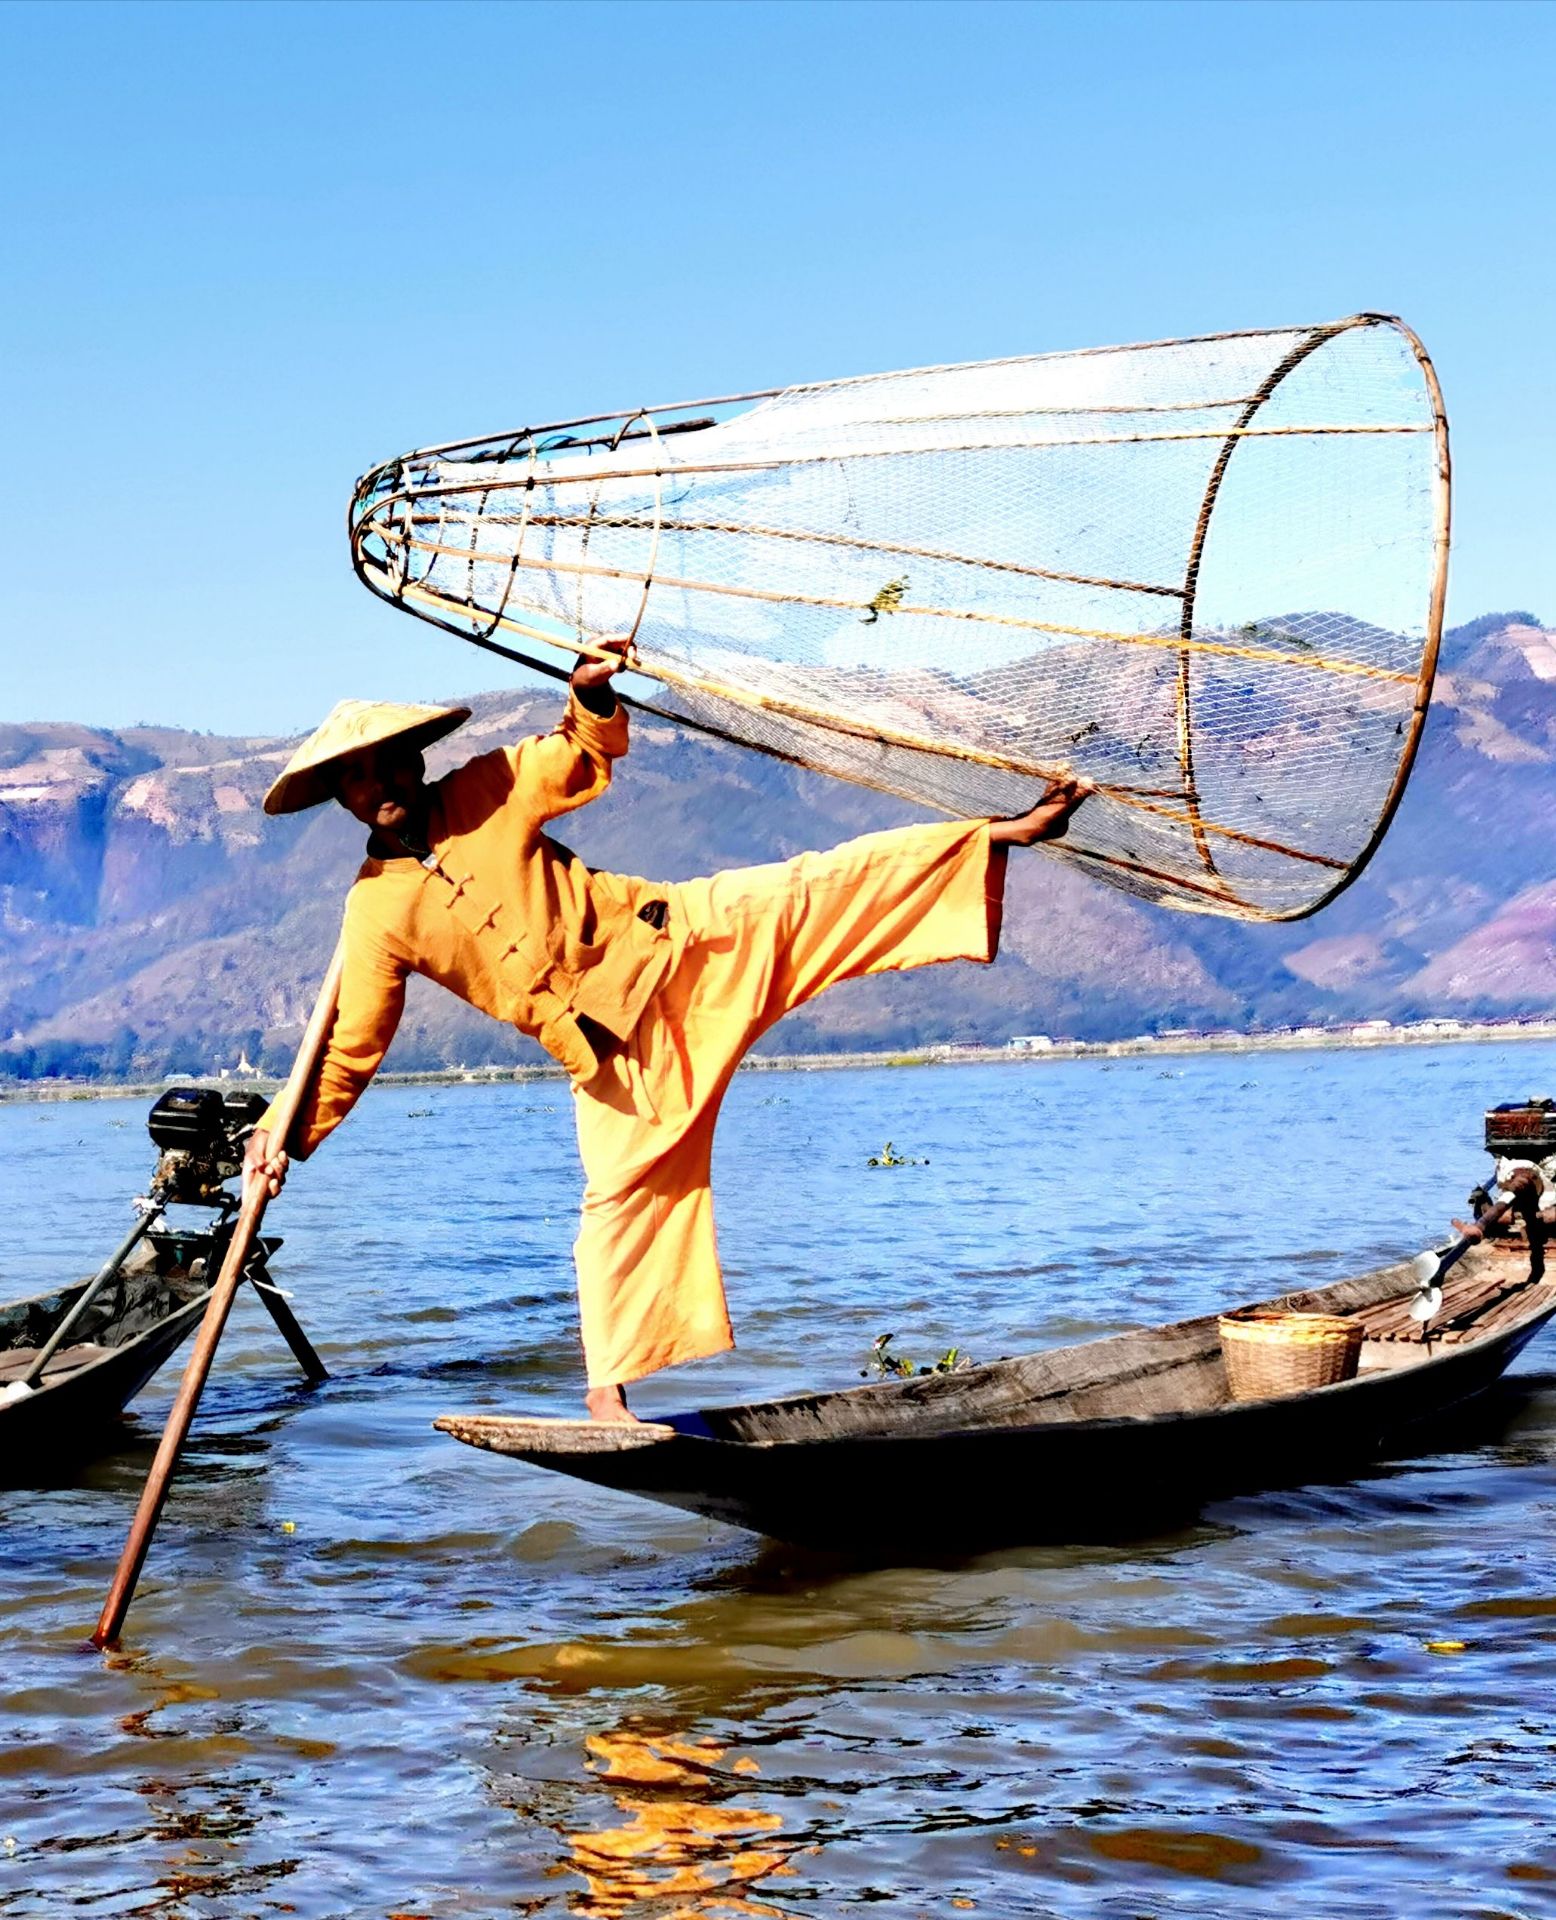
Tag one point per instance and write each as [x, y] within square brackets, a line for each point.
[153, 919]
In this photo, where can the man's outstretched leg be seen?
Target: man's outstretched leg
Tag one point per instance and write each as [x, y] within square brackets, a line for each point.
[884, 903]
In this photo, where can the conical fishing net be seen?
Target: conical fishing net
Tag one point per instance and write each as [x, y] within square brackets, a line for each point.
[1207, 574]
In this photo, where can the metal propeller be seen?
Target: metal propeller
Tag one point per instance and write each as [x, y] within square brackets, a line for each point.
[1427, 1269]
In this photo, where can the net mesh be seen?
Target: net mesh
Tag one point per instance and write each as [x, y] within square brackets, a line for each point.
[1206, 574]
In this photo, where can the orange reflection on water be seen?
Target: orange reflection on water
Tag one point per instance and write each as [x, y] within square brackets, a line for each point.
[682, 1841]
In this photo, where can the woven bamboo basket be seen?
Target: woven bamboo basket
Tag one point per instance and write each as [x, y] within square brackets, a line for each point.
[1268, 1353]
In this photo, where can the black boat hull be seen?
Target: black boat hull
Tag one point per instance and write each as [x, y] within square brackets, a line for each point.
[1091, 1442]
[74, 1415]
[998, 1486]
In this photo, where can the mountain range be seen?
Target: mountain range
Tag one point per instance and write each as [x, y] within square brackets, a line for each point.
[154, 920]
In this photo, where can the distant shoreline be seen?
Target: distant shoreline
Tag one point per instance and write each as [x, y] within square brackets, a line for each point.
[1034, 1051]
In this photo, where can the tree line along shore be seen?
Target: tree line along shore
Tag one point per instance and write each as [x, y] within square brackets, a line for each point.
[1025, 1049]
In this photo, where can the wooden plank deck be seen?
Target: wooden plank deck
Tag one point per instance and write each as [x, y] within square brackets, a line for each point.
[1474, 1305]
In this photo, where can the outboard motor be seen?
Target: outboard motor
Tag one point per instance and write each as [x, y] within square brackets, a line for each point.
[201, 1133]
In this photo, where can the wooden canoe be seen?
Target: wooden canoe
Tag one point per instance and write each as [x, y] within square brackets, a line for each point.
[138, 1321]
[1083, 1442]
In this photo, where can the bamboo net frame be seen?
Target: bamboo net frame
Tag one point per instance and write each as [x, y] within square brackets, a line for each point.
[1208, 574]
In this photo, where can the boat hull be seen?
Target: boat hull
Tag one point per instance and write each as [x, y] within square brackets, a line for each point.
[998, 1486]
[875, 1469]
[73, 1416]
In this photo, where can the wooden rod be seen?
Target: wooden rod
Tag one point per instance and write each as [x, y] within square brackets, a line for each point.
[155, 1491]
[872, 379]
[1222, 894]
[1442, 524]
[864, 776]
[832, 723]
[583, 474]
[848, 541]
[1197, 820]
[744, 697]
[1101, 410]
[1269, 656]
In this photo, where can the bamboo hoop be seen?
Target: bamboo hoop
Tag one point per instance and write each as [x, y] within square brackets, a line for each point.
[1442, 529]
[518, 545]
[1293, 359]
[653, 550]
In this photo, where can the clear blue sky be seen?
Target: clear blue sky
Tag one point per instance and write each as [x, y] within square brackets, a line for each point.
[250, 250]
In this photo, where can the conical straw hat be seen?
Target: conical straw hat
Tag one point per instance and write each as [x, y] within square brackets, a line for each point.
[351, 726]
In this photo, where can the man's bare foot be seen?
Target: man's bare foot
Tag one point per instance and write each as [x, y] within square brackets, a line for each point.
[609, 1405]
[1048, 820]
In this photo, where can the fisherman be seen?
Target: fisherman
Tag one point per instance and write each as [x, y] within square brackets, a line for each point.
[648, 995]
[1525, 1188]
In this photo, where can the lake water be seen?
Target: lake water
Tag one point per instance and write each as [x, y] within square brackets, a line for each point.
[371, 1672]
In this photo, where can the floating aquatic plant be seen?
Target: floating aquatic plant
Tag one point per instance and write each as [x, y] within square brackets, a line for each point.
[886, 1365]
[889, 1157]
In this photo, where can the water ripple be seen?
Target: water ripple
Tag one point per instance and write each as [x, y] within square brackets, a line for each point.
[372, 1673]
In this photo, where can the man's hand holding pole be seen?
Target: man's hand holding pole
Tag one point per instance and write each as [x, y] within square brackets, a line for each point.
[262, 1161]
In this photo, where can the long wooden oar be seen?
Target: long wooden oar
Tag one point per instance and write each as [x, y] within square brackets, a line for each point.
[204, 1352]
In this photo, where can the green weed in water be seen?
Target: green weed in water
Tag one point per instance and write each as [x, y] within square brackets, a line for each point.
[888, 1157]
[886, 1365]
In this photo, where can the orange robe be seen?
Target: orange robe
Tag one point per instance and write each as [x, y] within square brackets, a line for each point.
[758, 942]
[648, 995]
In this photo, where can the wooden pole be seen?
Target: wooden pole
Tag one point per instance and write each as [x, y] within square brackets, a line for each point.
[228, 1280]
